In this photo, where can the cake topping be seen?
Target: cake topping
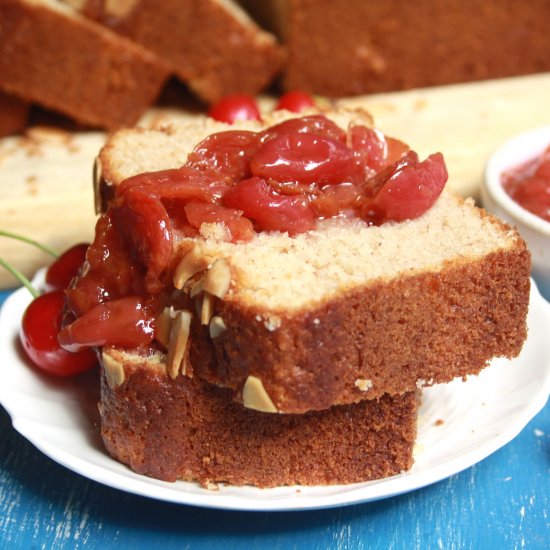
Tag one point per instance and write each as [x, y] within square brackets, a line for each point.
[179, 336]
[529, 185]
[256, 397]
[114, 371]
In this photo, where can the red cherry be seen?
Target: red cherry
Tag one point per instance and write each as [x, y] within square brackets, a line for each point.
[60, 274]
[270, 210]
[413, 189]
[295, 101]
[143, 222]
[305, 158]
[41, 323]
[228, 153]
[126, 322]
[235, 107]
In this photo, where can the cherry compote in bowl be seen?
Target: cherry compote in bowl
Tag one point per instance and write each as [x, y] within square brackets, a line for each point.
[516, 188]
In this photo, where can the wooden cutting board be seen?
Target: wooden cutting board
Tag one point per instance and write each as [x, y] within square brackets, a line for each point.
[46, 176]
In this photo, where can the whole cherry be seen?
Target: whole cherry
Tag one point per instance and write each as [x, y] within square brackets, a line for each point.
[43, 318]
[62, 271]
[235, 107]
[295, 101]
[40, 326]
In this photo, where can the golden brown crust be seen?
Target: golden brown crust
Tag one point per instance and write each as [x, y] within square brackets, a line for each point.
[209, 48]
[186, 429]
[74, 66]
[394, 336]
[341, 48]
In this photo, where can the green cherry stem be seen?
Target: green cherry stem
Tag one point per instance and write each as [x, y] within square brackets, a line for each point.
[41, 246]
[20, 277]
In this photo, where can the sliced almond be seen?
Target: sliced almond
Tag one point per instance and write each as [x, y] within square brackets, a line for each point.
[119, 8]
[189, 265]
[197, 288]
[163, 325]
[114, 371]
[98, 179]
[256, 397]
[217, 326]
[207, 309]
[179, 336]
[218, 278]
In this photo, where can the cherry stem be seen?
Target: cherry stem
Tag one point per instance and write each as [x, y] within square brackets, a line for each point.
[18, 237]
[20, 277]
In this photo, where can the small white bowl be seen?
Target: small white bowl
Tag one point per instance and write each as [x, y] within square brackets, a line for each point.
[533, 229]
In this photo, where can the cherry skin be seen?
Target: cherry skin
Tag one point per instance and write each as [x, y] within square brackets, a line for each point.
[125, 322]
[270, 210]
[61, 272]
[235, 107]
[295, 101]
[305, 158]
[41, 323]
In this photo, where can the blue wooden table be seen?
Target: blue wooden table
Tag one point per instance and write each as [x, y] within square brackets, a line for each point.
[501, 503]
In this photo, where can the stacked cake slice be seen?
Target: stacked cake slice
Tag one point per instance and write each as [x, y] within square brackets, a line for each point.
[289, 359]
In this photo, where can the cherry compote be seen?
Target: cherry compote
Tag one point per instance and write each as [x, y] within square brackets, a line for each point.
[529, 185]
[285, 178]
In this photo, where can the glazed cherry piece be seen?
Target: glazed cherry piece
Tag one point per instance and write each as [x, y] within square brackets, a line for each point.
[313, 124]
[412, 189]
[373, 149]
[270, 210]
[305, 158]
[228, 153]
[295, 101]
[240, 228]
[126, 322]
[235, 107]
[181, 184]
[40, 326]
[142, 221]
[61, 272]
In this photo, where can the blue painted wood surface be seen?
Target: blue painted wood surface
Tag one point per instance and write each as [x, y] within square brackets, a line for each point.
[501, 503]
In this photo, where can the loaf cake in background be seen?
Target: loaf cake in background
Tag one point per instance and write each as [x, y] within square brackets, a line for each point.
[390, 308]
[211, 45]
[341, 47]
[14, 113]
[51, 55]
[186, 429]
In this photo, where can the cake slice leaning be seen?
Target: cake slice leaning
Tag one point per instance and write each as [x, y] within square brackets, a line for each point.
[337, 314]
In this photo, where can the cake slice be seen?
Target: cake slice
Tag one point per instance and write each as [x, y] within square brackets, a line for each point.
[342, 312]
[340, 48]
[187, 429]
[53, 56]
[13, 115]
[213, 46]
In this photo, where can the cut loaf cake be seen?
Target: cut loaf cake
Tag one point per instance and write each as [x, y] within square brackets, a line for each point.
[347, 311]
[211, 45]
[53, 56]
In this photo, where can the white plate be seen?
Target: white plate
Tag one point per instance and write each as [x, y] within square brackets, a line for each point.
[479, 416]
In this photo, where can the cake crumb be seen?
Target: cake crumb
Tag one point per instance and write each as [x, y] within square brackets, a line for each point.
[439, 422]
[272, 323]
